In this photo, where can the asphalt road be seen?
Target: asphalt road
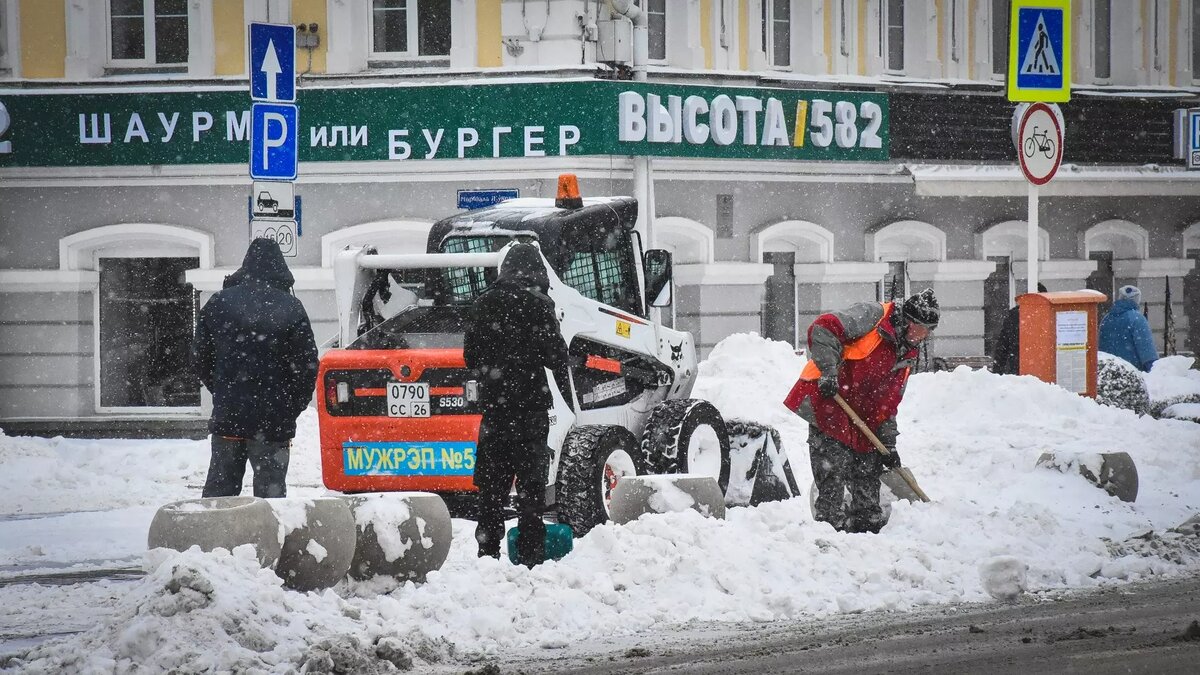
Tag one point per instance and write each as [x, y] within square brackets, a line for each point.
[1138, 628]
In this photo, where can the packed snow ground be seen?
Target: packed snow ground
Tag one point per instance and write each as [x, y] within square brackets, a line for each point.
[971, 438]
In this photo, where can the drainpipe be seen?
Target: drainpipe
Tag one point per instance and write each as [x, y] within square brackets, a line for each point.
[642, 171]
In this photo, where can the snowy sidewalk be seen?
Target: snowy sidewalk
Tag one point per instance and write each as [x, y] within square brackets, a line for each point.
[971, 438]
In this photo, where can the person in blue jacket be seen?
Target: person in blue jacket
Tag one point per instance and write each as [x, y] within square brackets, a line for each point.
[1124, 332]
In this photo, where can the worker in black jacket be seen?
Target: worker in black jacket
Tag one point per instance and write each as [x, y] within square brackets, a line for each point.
[1006, 351]
[513, 337]
[254, 350]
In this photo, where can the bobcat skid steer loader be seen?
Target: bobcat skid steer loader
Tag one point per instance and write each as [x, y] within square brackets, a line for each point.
[393, 410]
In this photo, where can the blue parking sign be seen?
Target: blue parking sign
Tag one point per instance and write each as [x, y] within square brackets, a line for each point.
[273, 62]
[274, 153]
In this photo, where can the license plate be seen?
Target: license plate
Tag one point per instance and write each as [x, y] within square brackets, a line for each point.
[408, 399]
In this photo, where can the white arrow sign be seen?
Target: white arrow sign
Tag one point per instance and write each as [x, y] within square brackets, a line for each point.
[270, 68]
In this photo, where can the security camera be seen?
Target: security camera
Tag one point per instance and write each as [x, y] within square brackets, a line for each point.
[312, 27]
[302, 28]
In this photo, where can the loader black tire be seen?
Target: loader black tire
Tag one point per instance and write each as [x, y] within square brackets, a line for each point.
[580, 491]
[669, 433]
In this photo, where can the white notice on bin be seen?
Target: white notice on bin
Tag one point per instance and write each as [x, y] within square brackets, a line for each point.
[1072, 329]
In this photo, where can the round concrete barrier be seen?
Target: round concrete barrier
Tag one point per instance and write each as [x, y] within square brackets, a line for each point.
[400, 534]
[218, 522]
[318, 541]
[1114, 472]
[635, 496]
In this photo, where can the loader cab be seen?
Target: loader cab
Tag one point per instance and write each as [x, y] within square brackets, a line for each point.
[594, 248]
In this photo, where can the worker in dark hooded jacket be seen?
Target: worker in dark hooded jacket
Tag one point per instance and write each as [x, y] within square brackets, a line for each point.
[254, 350]
[513, 337]
[865, 354]
[1006, 351]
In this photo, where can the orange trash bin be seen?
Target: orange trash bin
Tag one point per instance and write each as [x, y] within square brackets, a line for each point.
[1059, 338]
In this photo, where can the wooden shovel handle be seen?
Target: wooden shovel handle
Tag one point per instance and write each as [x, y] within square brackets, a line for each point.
[862, 426]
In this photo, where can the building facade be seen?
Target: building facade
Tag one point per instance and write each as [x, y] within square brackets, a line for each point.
[124, 191]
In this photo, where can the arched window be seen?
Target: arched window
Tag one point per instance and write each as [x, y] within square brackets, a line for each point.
[688, 241]
[1191, 237]
[80, 251]
[144, 312]
[810, 242]
[389, 236]
[1009, 239]
[1125, 240]
[909, 240]
[899, 245]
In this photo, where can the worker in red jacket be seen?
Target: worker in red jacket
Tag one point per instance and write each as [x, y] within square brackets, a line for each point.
[865, 354]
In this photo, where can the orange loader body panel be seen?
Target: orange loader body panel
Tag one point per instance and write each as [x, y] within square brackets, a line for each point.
[336, 430]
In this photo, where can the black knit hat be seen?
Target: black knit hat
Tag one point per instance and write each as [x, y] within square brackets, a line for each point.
[922, 308]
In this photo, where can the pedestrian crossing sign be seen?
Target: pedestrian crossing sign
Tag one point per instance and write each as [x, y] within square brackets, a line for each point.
[1039, 51]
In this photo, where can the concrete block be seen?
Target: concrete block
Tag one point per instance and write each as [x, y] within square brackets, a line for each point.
[218, 522]
[1113, 472]
[400, 534]
[318, 537]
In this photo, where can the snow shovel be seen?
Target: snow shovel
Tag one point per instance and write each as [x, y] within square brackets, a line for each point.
[903, 472]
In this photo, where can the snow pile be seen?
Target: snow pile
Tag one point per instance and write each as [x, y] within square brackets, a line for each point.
[1174, 388]
[222, 612]
[60, 474]
[972, 439]
[1003, 577]
[1173, 376]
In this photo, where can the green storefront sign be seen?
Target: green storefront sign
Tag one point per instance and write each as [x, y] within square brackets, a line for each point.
[411, 123]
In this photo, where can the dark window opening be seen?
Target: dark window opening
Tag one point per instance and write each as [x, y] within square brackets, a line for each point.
[895, 35]
[1191, 298]
[1102, 39]
[147, 322]
[894, 285]
[656, 28]
[397, 24]
[1195, 33]
[997, 289]
[1000, 15]
[1103, 279]
[779, 300]
[162, 23]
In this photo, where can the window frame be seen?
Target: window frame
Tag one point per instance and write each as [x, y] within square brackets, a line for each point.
[885, 38]
[1006, 13]
[1095, 33]
[767, 21]
[413, 36]
[1194, 33]
[5, 61]
[149, 45]
[651, 59]
[904, 272]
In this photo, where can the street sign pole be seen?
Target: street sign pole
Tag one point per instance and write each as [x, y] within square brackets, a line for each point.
[1031, 241]
[1039, 141]
[274, 135]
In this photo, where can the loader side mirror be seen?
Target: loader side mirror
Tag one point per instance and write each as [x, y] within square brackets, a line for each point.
[656, 264]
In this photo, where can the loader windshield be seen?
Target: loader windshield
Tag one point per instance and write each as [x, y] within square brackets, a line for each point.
[418, 328]
[464, 284]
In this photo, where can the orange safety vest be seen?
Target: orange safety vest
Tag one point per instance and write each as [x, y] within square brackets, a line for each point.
[855, 351]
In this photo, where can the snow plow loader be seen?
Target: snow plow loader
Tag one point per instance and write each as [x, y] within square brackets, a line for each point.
[394, 409]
